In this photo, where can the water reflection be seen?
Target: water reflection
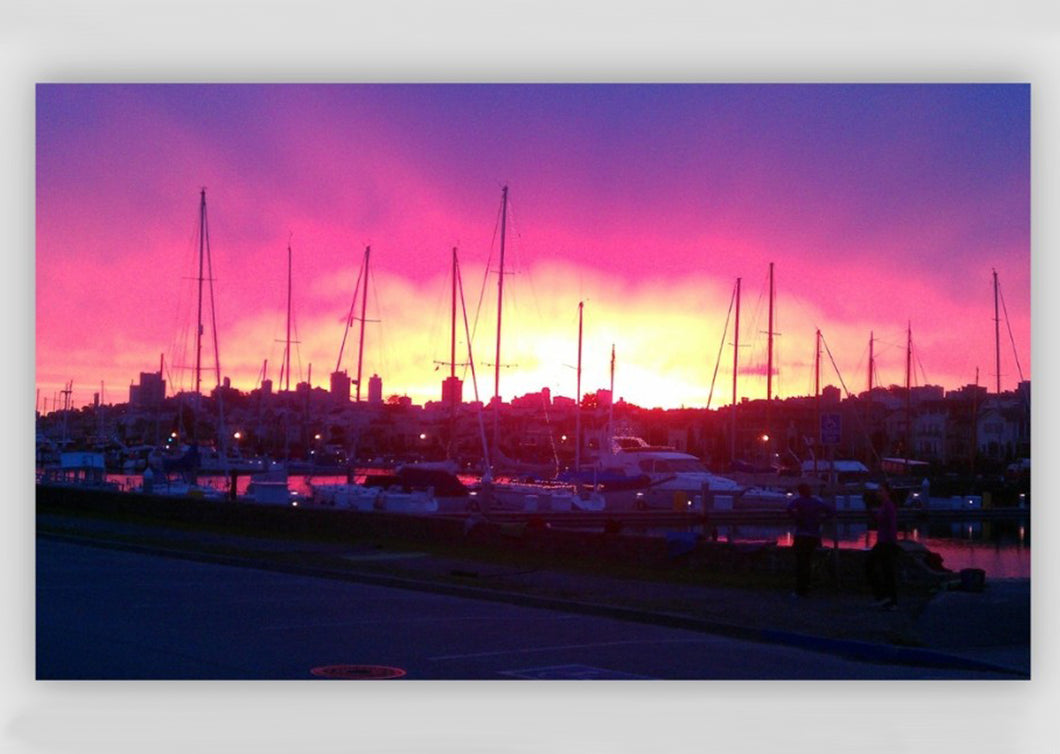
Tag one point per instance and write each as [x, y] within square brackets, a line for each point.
[1002, 547]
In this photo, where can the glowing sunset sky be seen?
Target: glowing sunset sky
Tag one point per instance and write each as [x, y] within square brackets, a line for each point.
[881, 207]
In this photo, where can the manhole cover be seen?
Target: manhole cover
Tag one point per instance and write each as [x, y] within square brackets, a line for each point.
[358, 672]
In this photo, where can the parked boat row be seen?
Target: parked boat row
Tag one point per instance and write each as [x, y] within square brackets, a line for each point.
[427, 489]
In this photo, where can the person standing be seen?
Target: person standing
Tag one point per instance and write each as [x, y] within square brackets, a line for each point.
[881, 565]
[809, 513]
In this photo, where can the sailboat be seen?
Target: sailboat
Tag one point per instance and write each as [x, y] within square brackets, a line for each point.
[534, 493]
[415, 488]
[169, 475]
[565, 491]
[272, 486]
[499, 462]
[662, 477]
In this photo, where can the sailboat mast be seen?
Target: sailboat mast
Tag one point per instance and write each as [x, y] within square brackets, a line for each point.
[611, 402]
[817, 391]
[975, 426]
[500, 295]
[500, 309]
[364, 312]
[872, 362]
[202, 251]
[452, 342]
[578, 398]
[817, 367]
[769, 364]
[908, 390]
[286, 369]
[997, 337]
[735, 371]
[868, 402]
[769, 374]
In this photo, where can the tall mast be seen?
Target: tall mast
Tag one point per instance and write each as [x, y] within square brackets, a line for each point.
[975, 425]
[451, 396]
[500, 302]
[611, 403]
[364, 312]
[868, 402]
[769, 365]
[578, 399]
[872, 362]
[67, 392]
[202, 251]
[769, 374]
[452, 346]
[162, 399]
[908, 390]
[500, 295]
[817, 367]
[997, 337]
[735, 371]
[285, 369]
[817, 391]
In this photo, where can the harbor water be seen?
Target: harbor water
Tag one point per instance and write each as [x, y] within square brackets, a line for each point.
[1000, 547]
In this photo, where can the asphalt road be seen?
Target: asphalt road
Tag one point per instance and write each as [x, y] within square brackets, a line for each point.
[118, 615]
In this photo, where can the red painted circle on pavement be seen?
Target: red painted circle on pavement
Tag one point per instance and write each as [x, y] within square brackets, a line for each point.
[358, 672]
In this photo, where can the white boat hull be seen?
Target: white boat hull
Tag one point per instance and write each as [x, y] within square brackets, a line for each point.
[361, 498]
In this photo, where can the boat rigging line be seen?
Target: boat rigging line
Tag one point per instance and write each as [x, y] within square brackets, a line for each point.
[497, 228]
[486, 466]
[285, 365]
[380, 349]
[1012, 340]
[721, 346]
[350, 317]
[846, 392]
[361, 288]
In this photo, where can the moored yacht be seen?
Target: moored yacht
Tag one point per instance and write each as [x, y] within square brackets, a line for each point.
[673, 480]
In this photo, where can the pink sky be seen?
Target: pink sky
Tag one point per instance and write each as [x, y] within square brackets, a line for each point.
[881, 207]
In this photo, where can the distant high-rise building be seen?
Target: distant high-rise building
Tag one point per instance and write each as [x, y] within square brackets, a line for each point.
[150, 392]
[375, 389]
[452, 391]
[340, 386]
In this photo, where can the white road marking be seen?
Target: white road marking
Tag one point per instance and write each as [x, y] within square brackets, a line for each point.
[561, 647]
